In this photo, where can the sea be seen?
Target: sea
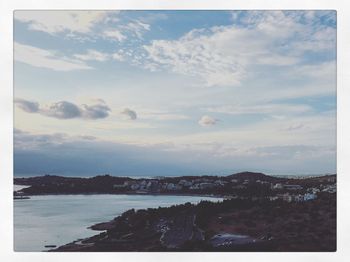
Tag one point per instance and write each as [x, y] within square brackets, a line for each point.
[61, 219]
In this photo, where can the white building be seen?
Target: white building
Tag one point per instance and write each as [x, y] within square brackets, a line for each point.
[277, 186]
[298, 198]
[309, 196]
[195, 187]
[135, 187]
[287, 198]
[185, 183]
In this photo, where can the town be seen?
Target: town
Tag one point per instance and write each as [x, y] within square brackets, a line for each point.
[244, 185]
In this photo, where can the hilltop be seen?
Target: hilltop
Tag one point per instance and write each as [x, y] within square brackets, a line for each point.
[254, 176]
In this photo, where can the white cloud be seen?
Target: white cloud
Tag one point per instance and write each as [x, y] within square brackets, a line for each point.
[55, 21]
[137, 28]
[84, 25]
[119, 56]
[224, 55]
[93, 55]
[126, 31]
[114, 34]
[207, 121]
[46, 58]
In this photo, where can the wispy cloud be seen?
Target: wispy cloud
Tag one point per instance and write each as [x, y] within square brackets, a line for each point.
[137, 28]
[46, 58]
[114, 34]
[93, 55]
[83, 25]
[223, 55]
[56, 21]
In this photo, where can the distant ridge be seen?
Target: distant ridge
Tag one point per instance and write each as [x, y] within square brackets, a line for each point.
[253, 176]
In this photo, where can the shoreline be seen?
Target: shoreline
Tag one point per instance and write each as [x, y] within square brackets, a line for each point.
[124, 193]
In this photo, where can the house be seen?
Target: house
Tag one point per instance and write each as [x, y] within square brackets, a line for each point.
[313, 190]
[330, 189]
[277, 186]
[287, 197]
[246, 182]
[309, 196]
[134, 186]
[273, 198]
[195, 187]
[185, 183]
[220, 183]
[298, 198]
[170, 186]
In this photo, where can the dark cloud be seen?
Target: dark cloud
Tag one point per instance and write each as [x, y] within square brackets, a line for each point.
[96, 111]
[28, 106]
[131, 114]
[67, 155]
[66, 110]
[62, 110]
[78, 155]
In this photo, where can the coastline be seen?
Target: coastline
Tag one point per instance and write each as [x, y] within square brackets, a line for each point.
[208, 227]
[125, 193]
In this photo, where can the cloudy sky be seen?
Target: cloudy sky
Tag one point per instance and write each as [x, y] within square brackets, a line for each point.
[143, 93]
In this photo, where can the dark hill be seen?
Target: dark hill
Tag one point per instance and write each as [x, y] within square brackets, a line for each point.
[253, 176]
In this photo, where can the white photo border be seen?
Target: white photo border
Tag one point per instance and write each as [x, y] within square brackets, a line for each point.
[343, 126]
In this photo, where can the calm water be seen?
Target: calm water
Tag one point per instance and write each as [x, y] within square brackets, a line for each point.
[60, 219]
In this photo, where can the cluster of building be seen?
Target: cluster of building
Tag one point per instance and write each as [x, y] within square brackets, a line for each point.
[294, 197]
[160, 185]
[311, 193]
[329, 188]
[280, 191]
[280, 186]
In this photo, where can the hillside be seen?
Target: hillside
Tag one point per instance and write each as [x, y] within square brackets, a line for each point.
[253, 176]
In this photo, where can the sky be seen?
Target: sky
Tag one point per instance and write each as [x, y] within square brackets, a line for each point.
[149, 93]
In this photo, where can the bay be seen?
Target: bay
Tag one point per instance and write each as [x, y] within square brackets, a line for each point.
[60, 219]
